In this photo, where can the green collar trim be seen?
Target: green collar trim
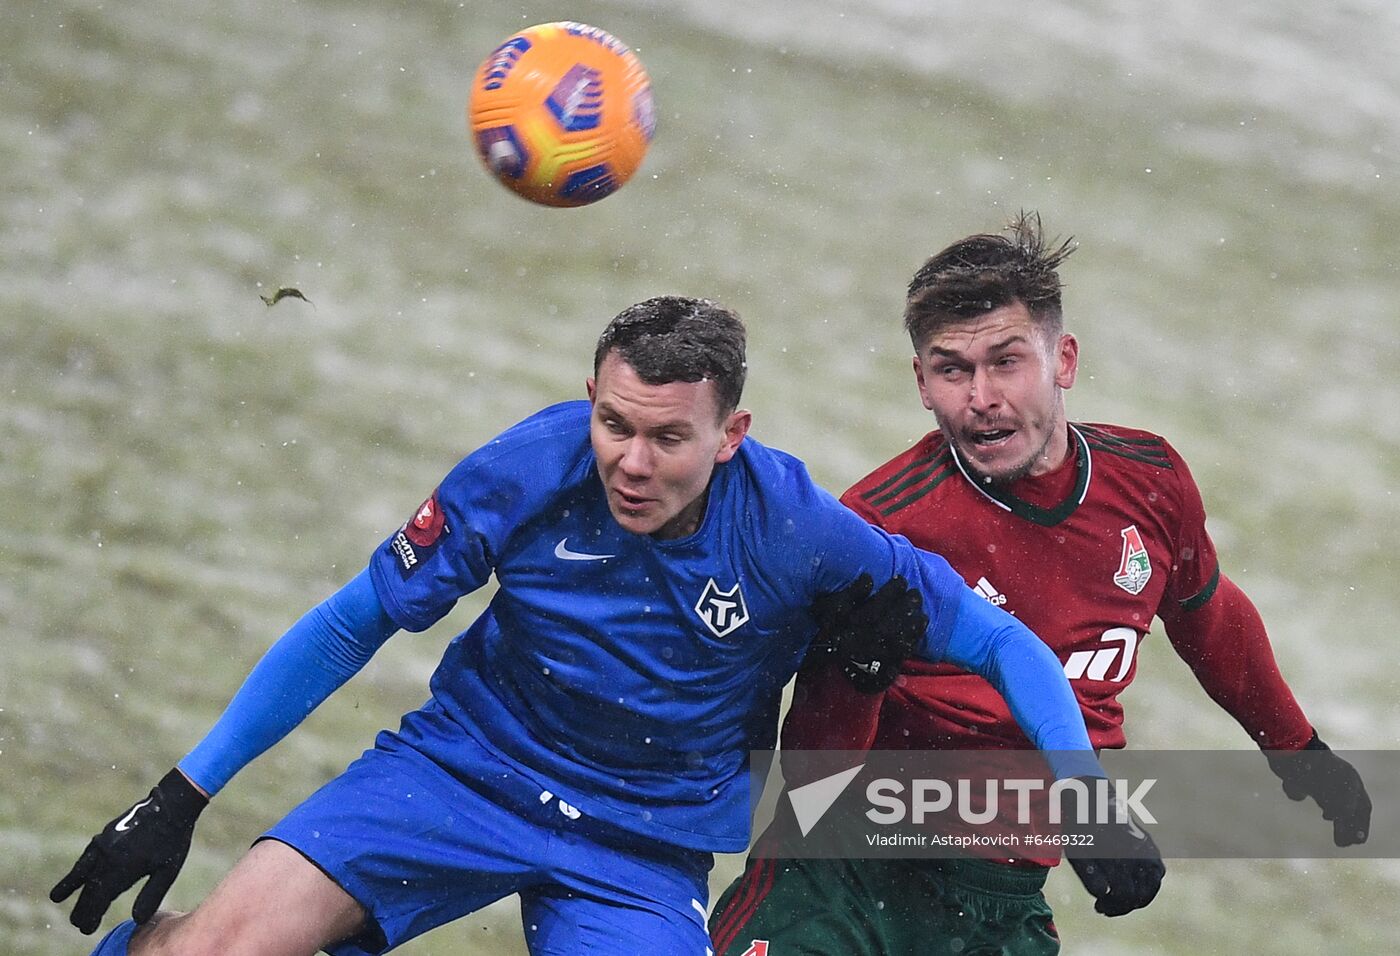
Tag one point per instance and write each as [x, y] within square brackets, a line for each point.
[1047, 517]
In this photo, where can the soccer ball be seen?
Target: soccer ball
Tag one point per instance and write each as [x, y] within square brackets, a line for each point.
[561, 114]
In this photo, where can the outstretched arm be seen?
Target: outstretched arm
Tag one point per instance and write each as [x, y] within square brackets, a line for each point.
[1224, 642]
[1022, 668]
[988, 641]
[883, 628]
[323, 650]
[152, 837]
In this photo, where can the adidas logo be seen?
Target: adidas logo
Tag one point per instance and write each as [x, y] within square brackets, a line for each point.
[988, 591]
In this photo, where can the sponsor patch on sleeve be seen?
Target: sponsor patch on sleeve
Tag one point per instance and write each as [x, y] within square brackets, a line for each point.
[418, 539]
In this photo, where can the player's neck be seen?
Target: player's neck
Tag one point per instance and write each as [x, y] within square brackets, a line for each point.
[1052, 484]
[1058, 450]
[688, 521]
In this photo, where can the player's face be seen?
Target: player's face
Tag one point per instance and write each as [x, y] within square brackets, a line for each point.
[657, 446]
[995, 385]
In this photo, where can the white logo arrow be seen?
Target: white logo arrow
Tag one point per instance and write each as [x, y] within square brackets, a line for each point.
[811, 801]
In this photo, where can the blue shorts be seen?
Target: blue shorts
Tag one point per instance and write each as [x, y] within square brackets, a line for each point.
[417, 848]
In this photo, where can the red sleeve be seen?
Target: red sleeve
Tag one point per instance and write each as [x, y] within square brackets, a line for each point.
[1224, 642]
[827, 713]
[851, 499]
[1195, 566]
[1218, 632]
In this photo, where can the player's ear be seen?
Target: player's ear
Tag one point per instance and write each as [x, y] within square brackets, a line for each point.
[592, 385]
[736, 426]
[919, 378]
[1066, 361]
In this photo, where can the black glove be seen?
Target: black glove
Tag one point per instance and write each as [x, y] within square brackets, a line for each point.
[1118, 862]
[149, 839]
[1317, 772]
[870, 635]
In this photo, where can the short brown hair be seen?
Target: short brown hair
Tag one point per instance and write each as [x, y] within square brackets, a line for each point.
[985, 272]
[671, 338]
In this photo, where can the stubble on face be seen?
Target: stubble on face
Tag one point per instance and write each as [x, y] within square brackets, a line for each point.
[995, 384]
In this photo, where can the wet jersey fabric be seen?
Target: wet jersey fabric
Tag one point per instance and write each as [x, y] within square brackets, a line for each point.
[1086, 556]
[628, 675]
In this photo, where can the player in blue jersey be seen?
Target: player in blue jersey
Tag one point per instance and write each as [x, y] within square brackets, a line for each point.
[587, 738]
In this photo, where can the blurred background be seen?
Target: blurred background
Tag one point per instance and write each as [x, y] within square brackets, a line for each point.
[184, 470]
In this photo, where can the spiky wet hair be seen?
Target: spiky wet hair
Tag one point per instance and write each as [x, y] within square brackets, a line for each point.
[985, 272]
[676, 339]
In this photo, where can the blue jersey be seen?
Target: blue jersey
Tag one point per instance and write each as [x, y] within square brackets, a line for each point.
[630, 676]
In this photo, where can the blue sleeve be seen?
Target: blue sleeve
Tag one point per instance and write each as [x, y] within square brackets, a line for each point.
[990, 642]
[451, 545]
[836, 545]
[318, 654]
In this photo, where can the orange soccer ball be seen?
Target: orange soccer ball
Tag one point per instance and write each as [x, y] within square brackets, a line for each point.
[561, 114]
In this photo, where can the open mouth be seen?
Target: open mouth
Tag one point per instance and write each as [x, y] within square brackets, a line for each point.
[990, 437]
[632, 502]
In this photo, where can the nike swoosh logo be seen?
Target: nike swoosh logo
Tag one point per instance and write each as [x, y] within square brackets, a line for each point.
[561, 551]
[124, 823]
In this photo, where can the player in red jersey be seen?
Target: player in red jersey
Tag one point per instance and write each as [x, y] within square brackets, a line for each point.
[1086, 533]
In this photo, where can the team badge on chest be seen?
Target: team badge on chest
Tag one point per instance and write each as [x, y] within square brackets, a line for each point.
[1134, 568]
[722, 611]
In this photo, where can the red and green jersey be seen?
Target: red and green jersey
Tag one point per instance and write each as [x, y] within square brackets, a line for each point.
[1086, 556]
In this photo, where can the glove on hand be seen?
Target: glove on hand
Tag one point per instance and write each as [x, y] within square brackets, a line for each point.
[1117, 861]
[150, 839]
[1317, 772]
[870, 635]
